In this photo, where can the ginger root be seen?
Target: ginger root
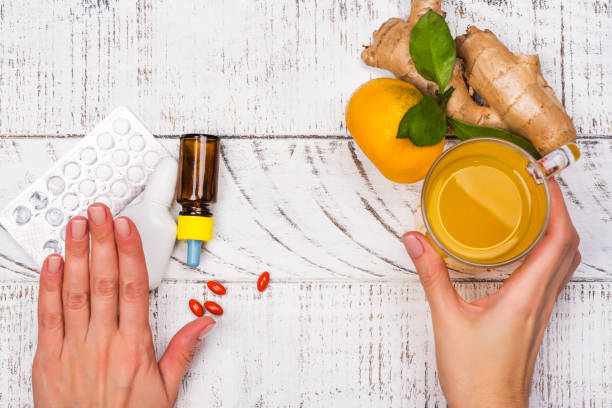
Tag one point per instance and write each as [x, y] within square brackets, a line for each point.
[518, 97]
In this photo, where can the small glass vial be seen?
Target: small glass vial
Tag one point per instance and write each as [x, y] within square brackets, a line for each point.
[196, 190]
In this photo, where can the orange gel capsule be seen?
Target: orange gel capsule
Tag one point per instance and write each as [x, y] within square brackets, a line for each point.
[262, 282]
[196, 307]
[213, 308]
[216, 287]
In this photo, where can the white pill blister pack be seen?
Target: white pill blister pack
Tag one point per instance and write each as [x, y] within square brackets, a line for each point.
[111, 165]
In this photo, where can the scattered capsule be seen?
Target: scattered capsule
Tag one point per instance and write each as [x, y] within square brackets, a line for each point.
[216, 287]
[262, 282]
[213, 308]
[196, 307]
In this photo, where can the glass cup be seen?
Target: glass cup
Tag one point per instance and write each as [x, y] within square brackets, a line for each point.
[485, 201]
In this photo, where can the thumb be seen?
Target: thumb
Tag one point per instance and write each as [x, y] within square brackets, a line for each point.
[180, 351]
[433, 274]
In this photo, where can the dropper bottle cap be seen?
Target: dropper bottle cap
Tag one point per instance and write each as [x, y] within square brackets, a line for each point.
[194, 230]
[193, 252]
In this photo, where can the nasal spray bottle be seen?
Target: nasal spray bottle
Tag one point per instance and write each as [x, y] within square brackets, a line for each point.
[196, 190]
[153, 219]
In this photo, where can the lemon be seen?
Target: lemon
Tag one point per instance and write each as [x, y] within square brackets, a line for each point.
[372, 117]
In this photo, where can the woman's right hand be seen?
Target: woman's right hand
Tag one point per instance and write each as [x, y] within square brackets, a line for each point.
[486, 349]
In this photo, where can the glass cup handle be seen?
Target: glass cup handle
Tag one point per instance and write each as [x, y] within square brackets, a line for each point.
[555, 161]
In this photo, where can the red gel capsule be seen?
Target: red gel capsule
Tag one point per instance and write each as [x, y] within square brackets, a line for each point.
[262, 282]
[196, 307]
[213, 308]
[216, 287]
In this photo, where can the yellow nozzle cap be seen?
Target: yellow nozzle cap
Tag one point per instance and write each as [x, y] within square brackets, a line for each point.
[194, 227]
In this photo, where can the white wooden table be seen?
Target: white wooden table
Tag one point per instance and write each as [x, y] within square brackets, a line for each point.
[344, 322]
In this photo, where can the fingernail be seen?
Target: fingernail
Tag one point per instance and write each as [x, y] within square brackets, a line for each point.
[205, 330]
[413, 246]
[78, 228]
[122, 226]
[97, 214]
[53, 264]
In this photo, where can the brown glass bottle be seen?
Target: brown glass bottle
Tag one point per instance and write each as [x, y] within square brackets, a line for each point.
[198, 168]
[196, 190]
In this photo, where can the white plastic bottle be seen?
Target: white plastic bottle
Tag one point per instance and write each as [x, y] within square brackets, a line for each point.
[152, 217]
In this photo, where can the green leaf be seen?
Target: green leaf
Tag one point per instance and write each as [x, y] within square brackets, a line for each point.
[448, 93]
[432, 49]
[443, 98]
[424, 123]
[465, 131]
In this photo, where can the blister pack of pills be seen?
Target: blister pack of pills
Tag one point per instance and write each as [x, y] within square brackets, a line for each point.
[111, 165]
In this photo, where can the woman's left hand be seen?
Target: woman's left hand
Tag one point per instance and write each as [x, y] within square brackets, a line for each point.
[95, 346]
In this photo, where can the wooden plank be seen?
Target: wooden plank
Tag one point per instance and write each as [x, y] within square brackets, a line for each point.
[265, 68]
[586, 34]
[317, 209]
[356, 344]
[345, 319]
[529, 28]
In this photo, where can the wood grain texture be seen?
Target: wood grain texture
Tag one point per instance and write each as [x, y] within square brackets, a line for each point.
[318, 209]
[587, 67]
[311, 343]
[258, 68]
[344, 319]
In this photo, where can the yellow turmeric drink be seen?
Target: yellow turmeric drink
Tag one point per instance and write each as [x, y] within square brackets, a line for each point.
[481, 203]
